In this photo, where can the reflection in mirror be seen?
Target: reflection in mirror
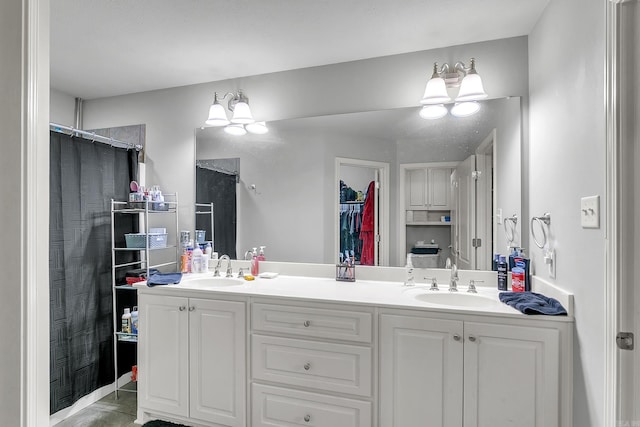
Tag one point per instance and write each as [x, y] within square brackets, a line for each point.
[288, 195]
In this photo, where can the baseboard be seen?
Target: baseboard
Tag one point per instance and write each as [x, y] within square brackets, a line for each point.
[87, 400]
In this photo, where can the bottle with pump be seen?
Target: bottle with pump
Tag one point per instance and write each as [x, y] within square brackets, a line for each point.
[502, 273]
[261, 254]
[255, 269]
[409, 281]
[126, 321]
[197, 260]
[517, 277]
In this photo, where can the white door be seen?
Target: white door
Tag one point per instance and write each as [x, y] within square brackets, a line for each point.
[217, 360]
[465, 257]
[484, 203]
[511, 376]
[163, 354]
[420, 372]
[416, 189]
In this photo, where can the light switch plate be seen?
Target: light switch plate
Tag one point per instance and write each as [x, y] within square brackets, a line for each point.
[590, 212]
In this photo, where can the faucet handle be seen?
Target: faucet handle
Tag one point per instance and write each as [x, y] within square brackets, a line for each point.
[240, 273]
[229, 270]
[434, 284]
[472, 286]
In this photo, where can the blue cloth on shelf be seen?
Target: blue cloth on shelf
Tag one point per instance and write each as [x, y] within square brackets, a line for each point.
[164, 279]
[533, 303]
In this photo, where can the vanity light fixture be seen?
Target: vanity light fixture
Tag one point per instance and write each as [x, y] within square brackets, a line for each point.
[436, 93]
[242, 120]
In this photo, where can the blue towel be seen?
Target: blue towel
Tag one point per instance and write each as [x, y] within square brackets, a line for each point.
[533, 303]
[164, 279]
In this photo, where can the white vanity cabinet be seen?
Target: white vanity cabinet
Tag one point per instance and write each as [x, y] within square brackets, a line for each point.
[428, 188]
[441, 372]
[192, 359]
[311, 365]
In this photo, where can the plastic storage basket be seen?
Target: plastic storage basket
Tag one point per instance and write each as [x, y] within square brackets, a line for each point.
[138, 241]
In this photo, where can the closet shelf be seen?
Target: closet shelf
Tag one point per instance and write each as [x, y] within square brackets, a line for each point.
[126, 337]
[144, 249]
[428, 223]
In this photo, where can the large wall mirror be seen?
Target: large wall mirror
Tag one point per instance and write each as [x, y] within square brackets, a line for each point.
[287, 183]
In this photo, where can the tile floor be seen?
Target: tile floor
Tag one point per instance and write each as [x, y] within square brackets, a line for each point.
[107, 412]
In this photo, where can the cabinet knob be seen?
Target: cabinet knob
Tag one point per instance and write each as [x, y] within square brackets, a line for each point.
[307, 323]
[192, 308]
[307, 418]
[472, 338]
[456, 337]
[307, 366]
[182, 308]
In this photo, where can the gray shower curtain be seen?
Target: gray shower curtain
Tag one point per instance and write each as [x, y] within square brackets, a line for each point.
[84, 177]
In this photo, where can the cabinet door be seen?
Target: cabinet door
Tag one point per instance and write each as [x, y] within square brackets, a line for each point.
[439, 188]
[163, 362]
[511, 376]
[416, 189]
[217, 355]
[420, 372]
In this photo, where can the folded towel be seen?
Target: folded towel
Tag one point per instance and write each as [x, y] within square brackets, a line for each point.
[164, 279]
[533, 303]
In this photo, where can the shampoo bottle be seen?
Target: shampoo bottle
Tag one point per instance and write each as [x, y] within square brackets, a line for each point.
[126, 321]
[255, 269]
[134, 320]
[197, 260]
[517, 277]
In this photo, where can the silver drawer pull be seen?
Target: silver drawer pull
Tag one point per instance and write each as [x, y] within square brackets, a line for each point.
[182, 308]
[192, 308]
[456, 337]
[307, 418]
[307, 366]
[307, 323]
[472, 338]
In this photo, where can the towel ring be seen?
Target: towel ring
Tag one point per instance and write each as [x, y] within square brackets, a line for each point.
[513, 220]
[542, 220]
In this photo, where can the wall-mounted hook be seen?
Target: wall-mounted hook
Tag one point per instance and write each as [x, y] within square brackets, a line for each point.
[253, 188]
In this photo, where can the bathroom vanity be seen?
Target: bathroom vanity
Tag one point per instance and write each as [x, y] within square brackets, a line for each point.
[297, 351]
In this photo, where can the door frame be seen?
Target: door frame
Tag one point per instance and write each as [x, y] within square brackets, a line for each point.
[383, 220]
[485, 205]
[401, 257]
[619, 393]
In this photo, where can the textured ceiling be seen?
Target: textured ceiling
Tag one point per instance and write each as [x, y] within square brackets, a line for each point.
[103, 48]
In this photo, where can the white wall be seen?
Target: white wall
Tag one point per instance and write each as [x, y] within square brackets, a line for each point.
[375, 84]
[62, 107]
[567, 162]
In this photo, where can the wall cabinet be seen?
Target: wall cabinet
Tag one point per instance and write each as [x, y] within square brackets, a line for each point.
[428, 188]
[192, 358]
[436, 372]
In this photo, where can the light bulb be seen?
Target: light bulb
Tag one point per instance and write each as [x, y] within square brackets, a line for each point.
[258, 128]
[465, 109]
[235, 129]
[217, 115]
[432, 112]
[242, 114]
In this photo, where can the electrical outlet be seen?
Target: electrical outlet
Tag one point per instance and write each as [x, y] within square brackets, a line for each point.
[590, 212]
[498, 216]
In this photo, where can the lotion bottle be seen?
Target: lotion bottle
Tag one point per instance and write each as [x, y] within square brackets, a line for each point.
[197, 260]
[126, 321]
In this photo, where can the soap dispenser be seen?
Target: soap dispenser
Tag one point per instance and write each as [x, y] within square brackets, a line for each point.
[254, 262]
[409, 281]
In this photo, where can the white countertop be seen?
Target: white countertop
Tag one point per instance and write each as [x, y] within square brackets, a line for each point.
[368, 292]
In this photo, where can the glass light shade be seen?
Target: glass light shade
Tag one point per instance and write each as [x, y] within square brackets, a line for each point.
[435, 92]
[259, 128]
[471, 88]
[242, 114]
[235, 129]
[465, 109]
[432, 112]
[217, 115]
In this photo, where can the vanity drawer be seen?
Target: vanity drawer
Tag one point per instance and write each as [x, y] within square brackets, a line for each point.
[325, 366]
[312, 322]
[277, 407]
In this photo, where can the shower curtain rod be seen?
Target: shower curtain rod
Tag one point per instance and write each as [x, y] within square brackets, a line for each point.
[93, 136]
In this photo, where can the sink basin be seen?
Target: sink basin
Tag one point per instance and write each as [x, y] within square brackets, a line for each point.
[456, 299]
[213, 282]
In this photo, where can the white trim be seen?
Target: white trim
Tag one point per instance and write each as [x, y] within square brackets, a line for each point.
[383, 219]
[612, 230]
[88, 400]
[35, 214]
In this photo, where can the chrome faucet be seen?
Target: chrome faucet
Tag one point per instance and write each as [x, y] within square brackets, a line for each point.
[453, 282]
[472, 286]
[216, 273]
[434, 284]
